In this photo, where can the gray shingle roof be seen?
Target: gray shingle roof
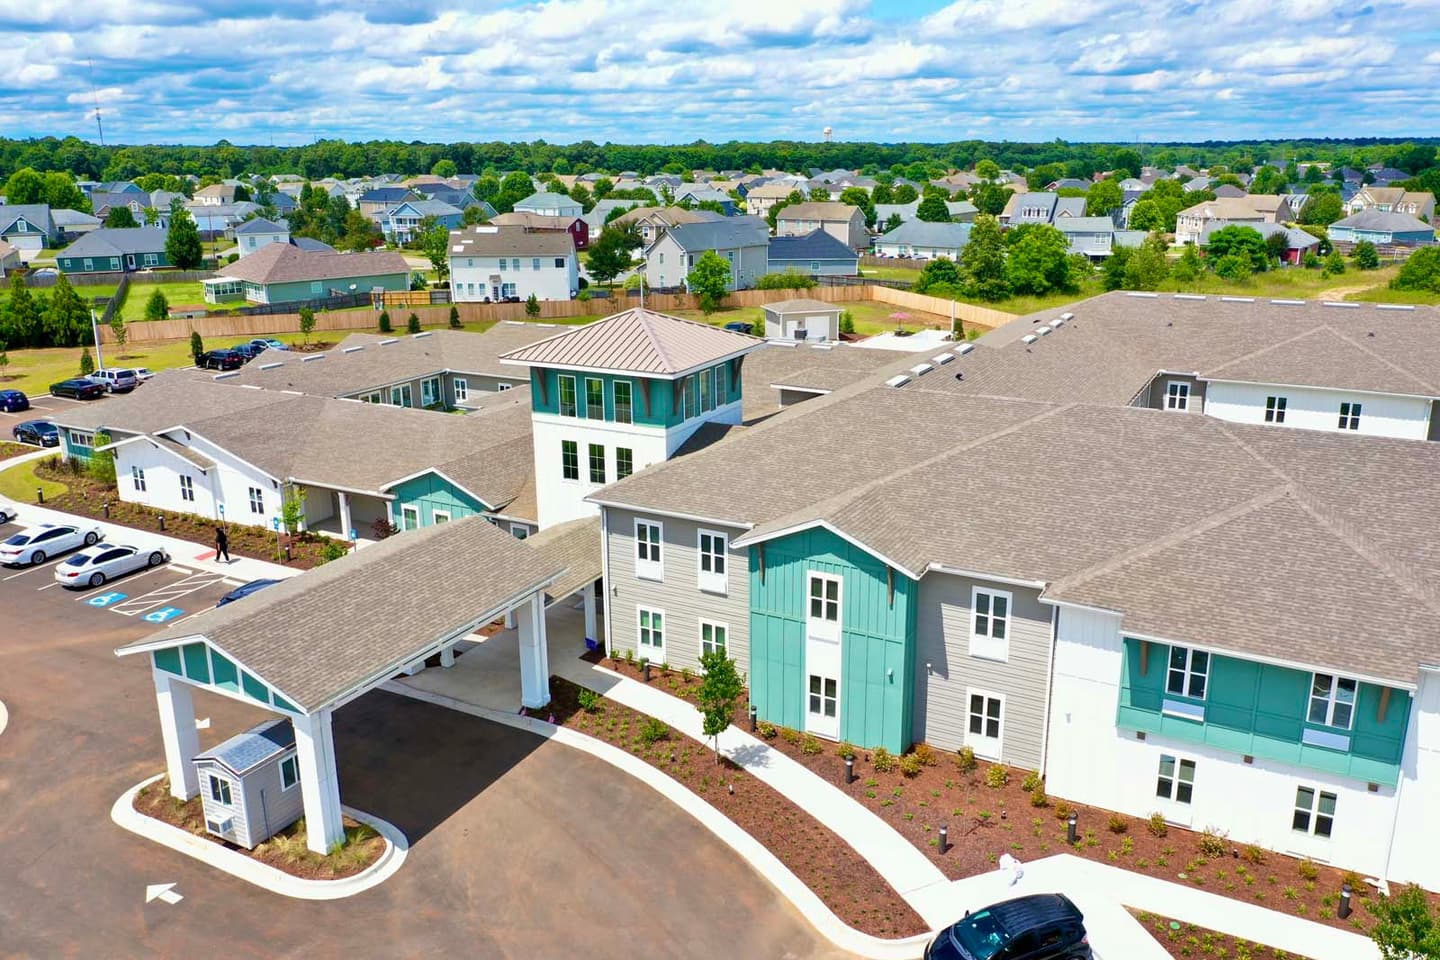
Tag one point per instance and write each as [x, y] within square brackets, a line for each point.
[246, 751]
[825, 210]
[117, 242]
[282, 263]
[1373, 219]
[417, 588]
[922, 233]
[513, 240]
[815, 245]
[260, 225]
[37, 215]
[725, 233]
[576, 547]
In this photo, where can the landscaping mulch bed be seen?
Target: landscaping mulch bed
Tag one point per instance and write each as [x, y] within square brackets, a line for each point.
[9, 450]
[87, 498]
[843, 879]
[1189, 941]
[285, 851]
[987, 818]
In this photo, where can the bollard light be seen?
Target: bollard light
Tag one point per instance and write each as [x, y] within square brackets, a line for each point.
[287, 553]
[39, 494]
[1070, 828]
[849, 770]
[646, 666]
[161, 516]
[106, 508]
[944, 837]
[1343, 909]
[754, 717]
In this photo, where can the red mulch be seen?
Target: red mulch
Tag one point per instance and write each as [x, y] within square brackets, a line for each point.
[986, 821]
[1186, 941]
[826, 864]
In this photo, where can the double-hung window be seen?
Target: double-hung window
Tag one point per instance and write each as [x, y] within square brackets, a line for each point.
[1176, 780]
[649, 564]
[1314, 811]
[624, 411]
[257, 500]
[569, 460]
[534, 263]
[187, 488]
[990, 626]
[1188, 671]
[707, 391]
[597, 463]
[594, 398]
[462, 389]
[722, 391]
[713, 637]
[711, 548]
[624, 462]
[1349, 416]
[1274, 409]
[1332, 700]
[567, 396]
[137, 477]
[824, 601]
[652, 633]
[1177, 395]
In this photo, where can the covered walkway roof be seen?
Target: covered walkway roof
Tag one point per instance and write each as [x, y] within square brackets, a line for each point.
[576, 547]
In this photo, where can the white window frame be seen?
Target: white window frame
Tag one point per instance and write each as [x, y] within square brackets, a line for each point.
[712, 580]
[429, 391]
[187, 488]
[629, 407]
[1177, 395]
[629, 467]
[501, 388]
[650, 567]
[257, 500]
[1275, 409]
[824, 626]
[218, 785]
[565, 446]
[1313, 813]
[137, 478]
[461, 386]
[601, 382]
[653, 651]
[1171, 794]
[1332, 700]
[294, 761]
[406, 512]
[987, 646]
[984, 745]
[519, 531]
[400, 396]
[78, 439]
[724, 633]
[1188, 673]
[1350, 415]
[560, 395]
[435, 516]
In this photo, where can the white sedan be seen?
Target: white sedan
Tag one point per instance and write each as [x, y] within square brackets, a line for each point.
[94, 566]
[37, 544]
[6, 513]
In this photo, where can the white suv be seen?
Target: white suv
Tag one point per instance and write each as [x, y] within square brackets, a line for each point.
[116, 380]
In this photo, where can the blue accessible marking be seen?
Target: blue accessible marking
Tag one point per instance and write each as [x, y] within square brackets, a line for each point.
[105, 599]
[163, 614]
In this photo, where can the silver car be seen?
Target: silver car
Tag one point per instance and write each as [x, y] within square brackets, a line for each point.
[94, 566]
[37, 544]
[116, 379]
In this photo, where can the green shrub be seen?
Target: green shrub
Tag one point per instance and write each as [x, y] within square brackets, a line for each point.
[1117, 823]
[1253, 854]
[910, 765]
[924, 754]
[653, 731]
[589, 700]
[1031, 782]
[810, 745]
[385, 326]
[454, 317]
[766, 730]
[965, 759]
[333, 550]
[1157, 825]
[846, 751]
[1038, 798]
[1063, 810]
[412, 324]
[791, 737]
[1308, 870]
[882, 760]
[1214, 843]
[997, 776]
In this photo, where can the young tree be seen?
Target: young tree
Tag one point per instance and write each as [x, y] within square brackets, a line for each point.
[87, 363]
[157, 307]
[1365, 255]
[939, 278]
[385, 326]
[118, 331]
[982, 260]
[197, 345]
[905, 193]
[1276, 245]
[182, 241]
[987, 170]
[532, 306]
[609, 256]
[1236, 267]
[1148, 266]
[1190, 267]
[710, 280]
[25, 186]
[1269, 179]
[101, 465]
[455, 317]
[1038, 259]
[719, 694]
[1406, 928]
[412, 323]
[4, 360]
[990, 198]
[1146, 215]
[66, 320]
[120, 216]
[435, 242]
[1241, 241]
[894, 222]
[292, 509]
[1334, 265]
[473, 215]
[444, 167]
[933, 210]
[307, 323]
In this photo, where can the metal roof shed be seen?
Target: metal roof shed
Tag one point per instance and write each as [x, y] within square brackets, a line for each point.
[248, 784]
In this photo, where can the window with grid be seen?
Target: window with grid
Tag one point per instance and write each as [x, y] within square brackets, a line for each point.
[722, 389]
[257, 500]
[624, 412]
[824, 695]
[569, 460]
[649, 562]
[567, 396]
[652, 632]
[1349, 416]
[220, 790]
[713, 637]
[594, 398]
[1314, 811]
[1332, 700]
[1274, 409]
[597, 463]
[985, 716]
[1176, 780]
[712, 575]
[824, 598]
[1177, 395]
[1187, 672]
[534, 263]
[624, 462]
[990, 633]
[137, 477]
[707, 391]
[289, 772]
[187, 488]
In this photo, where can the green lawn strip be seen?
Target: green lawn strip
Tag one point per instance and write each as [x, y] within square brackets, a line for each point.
[19, 483]
[176, 295]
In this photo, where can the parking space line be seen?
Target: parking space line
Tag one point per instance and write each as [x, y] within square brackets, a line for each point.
[162, 596]
[33, 568]
[132, 577]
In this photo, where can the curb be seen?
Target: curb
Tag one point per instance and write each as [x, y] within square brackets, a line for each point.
[262, 875]
[810, 906]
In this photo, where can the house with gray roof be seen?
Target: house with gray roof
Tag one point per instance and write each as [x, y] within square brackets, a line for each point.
[920, 240]
[69, 224]
[961, 211]
[1382, 227]
[249, 784]
[28, 227]
[401, 223]
[549, 204]
[815, 254]
[257, 233]
[493, 263]
[281, 273]
[842, 221]
[743, 242]
[115, 249]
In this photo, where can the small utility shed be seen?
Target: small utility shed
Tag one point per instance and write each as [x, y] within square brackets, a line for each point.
[247, 784]
[313, 643]
[802, 319]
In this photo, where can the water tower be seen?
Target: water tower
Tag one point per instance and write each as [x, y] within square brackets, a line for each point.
[828, 134]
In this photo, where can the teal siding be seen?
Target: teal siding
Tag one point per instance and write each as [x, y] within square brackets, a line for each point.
[663, 409]
[302, 290]
[72, 450]
[111, 264]
[877, 644]
[1261, 710]
[430, 492]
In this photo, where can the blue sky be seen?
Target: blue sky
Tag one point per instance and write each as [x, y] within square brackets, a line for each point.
[288, 71]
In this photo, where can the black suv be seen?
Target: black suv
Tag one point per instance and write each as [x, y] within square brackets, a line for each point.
[221, 360]
[1043, 926]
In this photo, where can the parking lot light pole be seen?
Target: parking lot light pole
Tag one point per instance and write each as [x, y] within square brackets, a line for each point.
[95, 334]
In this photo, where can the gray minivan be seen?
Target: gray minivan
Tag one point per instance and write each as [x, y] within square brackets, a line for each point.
[116, 379]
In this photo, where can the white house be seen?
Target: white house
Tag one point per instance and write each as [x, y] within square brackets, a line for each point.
[491, 264]
[550, 205]
[744, 243]
[258, 233]
[922, 240]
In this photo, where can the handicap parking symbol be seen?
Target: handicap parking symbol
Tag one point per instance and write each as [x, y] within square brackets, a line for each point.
[104, 599]
[163, 614]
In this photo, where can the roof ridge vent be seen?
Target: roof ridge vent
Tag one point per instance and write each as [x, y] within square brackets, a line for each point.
[515, 323]
[1042, 331]
[272, 365]
[1340, 303]
[1394, 306]
[1029, 338]
[1289, 303]
[232, 373]
[345, 350]
[1189, 296]
[964, 348]
[1143, 294]
[1237, 299]
[899, 380]
[417, 336]
[312, 357]
[1067, 315]
[1057, 323]
[920, 369]
[387, 341]
[940, 359]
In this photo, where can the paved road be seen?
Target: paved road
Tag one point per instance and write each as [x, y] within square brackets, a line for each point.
[520, 848]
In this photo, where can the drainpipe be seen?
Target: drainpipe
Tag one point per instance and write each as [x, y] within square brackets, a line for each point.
[1433, 674]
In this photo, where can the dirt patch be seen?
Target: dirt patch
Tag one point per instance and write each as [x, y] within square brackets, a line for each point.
[989, 810]
[285, 851]
[826, 864]
[1185, 940]
[10, 450]
[315, 346]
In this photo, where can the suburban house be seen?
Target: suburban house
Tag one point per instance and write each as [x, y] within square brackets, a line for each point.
[9, 258]
[28, 227]
[597, 220]
[1382, 228]
[115, 249]
[961, 211]
[1297, 241]
[653, 221]
[1190, 222]
[742, 241]
[700, 193]
[1093, 237]
[255, 234]
[216, 220]
[802, 319]
[215, 195]
[816, 254]
[375, 202]
[922, 240]
[70, 224]
[1040, 207]
[282, 273]
[1419, 204]
[842, 221]
[577, 227]
[401, 223]
[136, 201]
[550, 205]
[759, 200]
[490, 264]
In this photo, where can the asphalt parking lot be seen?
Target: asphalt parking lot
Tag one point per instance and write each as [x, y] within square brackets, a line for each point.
[520, 848]
[41, 408]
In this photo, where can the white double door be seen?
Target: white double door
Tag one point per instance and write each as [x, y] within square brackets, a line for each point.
[822, 657]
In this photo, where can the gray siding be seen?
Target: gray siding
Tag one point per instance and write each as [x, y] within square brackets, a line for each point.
[679, 596]
[239, 831]
[261, 807]
[1154, 397]
[943, 638]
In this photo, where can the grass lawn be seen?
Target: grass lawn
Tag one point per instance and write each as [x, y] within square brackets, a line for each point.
[870, 317]
[32, 371]
[176, 294]
[891, 273]
[19, 483]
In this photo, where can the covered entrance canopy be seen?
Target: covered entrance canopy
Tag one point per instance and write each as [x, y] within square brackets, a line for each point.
[308, 645]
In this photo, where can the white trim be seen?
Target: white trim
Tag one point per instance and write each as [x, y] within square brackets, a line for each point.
[649, 568]
[754, 538]
[560, 395]
[1188, 673]
[713, 625]
[1175, 778]
[653, 652]
[1256, 657]
[460, 389]
[212, 779]
[709, 581]
[978, 740]
[987, 646]
[406, 508]
[619, 372]
[675, 514]
[1332, 700]
[825, 631]
[435, 516]
[292, 758]
[1320, 386]
[1181, 395]
[993, 578]
[607, 594]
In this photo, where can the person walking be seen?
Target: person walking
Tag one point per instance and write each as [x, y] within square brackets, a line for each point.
[222, 544]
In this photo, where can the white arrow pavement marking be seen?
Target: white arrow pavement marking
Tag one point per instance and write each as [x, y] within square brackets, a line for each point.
[203, 724]
[162, 891]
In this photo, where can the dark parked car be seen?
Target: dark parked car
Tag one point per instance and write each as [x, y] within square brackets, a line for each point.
[79, 388]
[740, 326]
[42, 433]
[1043, 926]
[221, 360]
[244, 590]
[12, 401]
[248, 350]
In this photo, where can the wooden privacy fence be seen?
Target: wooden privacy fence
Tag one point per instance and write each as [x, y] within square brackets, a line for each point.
[222, 327]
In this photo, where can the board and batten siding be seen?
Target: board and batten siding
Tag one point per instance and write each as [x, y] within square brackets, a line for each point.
[946, 672]
[679, 596]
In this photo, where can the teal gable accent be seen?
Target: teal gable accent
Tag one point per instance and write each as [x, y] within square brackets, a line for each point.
[194, 662]
[663, 409]
[877, 643]
[430, 492]
[1261, 710]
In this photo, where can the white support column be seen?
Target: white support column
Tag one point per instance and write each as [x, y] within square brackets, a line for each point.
[590, 611]
[344, 515]
[177, 729]
[447, 655]
[534, 653]
[509, 619]
[319, 781]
